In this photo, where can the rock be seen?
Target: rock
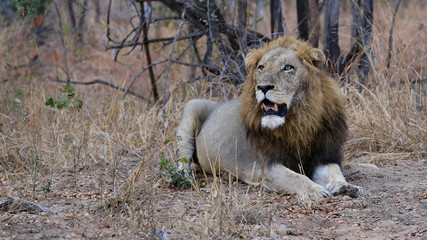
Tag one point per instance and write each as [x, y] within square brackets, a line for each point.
[161, 234]
[369, 165]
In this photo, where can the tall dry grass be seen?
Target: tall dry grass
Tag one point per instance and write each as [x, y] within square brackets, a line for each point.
[387, 117]
[46, 151]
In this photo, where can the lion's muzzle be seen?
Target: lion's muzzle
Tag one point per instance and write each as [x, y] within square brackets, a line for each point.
[271, 108]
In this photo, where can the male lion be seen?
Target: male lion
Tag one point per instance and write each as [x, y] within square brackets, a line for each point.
[286, 130]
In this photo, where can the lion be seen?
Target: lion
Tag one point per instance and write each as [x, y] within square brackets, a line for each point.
[285, 131]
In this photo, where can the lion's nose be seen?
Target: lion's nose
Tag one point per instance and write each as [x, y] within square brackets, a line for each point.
[265, 88]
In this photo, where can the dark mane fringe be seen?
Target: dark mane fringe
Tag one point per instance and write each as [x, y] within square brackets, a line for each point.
[315, 128]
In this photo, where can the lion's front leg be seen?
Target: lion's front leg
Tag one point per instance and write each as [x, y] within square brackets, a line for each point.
[331, 177]
[281, 179]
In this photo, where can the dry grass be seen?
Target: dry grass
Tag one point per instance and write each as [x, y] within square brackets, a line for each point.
[44, 151]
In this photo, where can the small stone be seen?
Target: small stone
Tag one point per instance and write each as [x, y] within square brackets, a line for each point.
[369, 165]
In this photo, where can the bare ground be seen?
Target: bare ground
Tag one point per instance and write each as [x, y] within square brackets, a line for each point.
[394, 206]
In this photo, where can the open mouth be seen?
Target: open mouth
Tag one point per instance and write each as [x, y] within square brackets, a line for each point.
[271, 108]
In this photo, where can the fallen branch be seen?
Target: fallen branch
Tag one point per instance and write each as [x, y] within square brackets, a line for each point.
[108, 84]
[15, 205]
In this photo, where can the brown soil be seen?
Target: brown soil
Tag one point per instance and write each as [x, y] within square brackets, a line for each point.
[394, 206]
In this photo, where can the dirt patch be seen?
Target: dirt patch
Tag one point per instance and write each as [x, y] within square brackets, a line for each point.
[394, 206]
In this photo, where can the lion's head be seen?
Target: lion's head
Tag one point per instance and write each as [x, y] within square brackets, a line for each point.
[288, 95]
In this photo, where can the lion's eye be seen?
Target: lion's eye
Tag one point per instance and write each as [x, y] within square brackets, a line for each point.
[288, 68]
[261, 67]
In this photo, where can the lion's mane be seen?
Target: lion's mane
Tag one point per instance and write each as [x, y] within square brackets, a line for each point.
[315, 127]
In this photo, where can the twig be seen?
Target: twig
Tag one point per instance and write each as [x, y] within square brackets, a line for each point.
[208, 53]
[152, 65]
[61, 34]
[137, 30]
[108, 22]
[390, 38]
[190, 64]
[165, 84]
[167, 39]
[108, 137]
[141, 72]
[216, 21]
[147, 50]
[165, 19]
[108, 84]
[196, 52]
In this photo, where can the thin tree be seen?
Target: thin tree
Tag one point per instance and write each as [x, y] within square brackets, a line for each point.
[330, 33]
[276, 18]
[390, 37]
[303, 15]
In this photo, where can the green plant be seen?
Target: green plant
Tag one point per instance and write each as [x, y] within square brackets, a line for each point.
[65, 100]
[27, 9]
[47, 186]
[176, 178]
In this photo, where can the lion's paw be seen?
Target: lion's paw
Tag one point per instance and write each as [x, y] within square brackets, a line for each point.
[187, 168]
[314, 193]
[346, 189]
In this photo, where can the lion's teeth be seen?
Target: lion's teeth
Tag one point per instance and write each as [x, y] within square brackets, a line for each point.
[275, 107]
[265, 107]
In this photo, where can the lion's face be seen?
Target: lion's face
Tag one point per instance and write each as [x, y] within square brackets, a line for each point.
[278, 77]
[286, 82]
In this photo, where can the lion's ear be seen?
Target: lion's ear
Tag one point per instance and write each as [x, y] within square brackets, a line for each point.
[251, 60]
[317, 57]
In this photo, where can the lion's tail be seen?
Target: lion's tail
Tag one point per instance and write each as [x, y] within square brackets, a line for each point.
[194, 115]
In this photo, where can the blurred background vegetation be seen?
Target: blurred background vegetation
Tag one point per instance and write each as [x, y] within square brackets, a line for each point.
[122, 71]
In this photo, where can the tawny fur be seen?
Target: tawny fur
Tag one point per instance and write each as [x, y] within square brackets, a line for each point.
[302, 124]
[303, 155]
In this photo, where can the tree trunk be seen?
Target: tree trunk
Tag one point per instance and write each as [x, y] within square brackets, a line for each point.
[332, 48]
[71, 14]
[82, 22]
[258, 6]
[314, 24]
[366, 39]
[147, 50]
[308, 21]
[97, 11]
[390, 36]
[356, 34]
[303, 15]
[242, 9]
[276, 18]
